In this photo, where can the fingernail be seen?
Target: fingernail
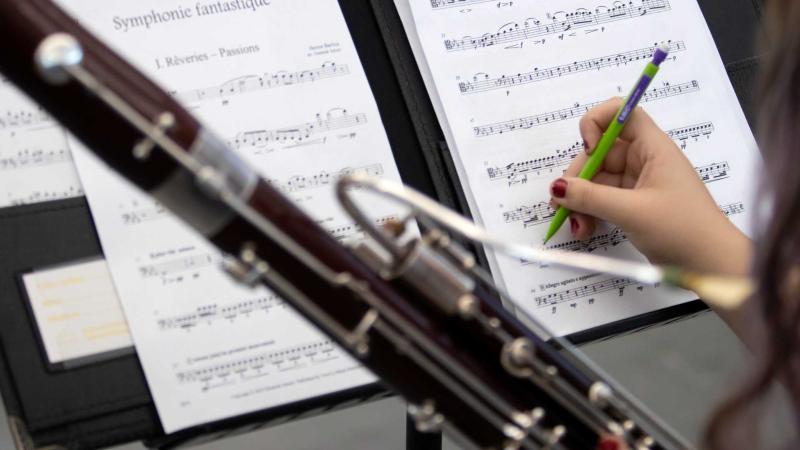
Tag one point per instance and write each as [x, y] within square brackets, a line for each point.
[574, 225]
[559, 188]
[608, 444]
[585, 145]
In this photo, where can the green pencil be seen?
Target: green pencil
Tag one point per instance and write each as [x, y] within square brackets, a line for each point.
[612, 133]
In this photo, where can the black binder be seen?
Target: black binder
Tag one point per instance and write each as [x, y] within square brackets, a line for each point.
[108, 403]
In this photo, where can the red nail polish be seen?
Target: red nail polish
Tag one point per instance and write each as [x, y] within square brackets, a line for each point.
[608, 444]
[559, 188]
[574, 225]
[585, 145]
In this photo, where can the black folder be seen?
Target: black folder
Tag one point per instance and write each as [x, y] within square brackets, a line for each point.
[108, 403]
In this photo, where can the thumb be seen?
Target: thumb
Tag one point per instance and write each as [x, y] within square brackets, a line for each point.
[608, 203]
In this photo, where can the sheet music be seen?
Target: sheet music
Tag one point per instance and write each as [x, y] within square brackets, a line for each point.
[510, 80]
[283, 84]
[35, 162]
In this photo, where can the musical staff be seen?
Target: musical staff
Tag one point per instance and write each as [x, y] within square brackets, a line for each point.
[559, 22]
[483, 82]
[34, 158]
[442, 4]
[603, 241]
[143, 215]
[174, 270]
[588, 290]
[695, 132]
[615, 237]
[714, 172]
[733, 209]
[300, 183]
[355, 231]
[255, 366]
[208, 314]
[335, 119]
[44, 196]
[577, 111]
[516, 173]
[12, 120]
[530, 215]
[542, 212]
[252, 83]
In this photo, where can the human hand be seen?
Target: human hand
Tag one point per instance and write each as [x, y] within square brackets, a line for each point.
[648, 188]
[611, 443]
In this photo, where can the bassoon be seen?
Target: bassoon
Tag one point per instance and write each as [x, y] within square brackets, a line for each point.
[416, 311]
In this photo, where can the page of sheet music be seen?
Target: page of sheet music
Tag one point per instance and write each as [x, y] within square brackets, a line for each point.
[513, 79]
[35, 163]
[283, 84]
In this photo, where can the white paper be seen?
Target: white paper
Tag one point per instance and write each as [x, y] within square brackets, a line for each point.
[35, 162]
[513, 79]
[283, 84]
[77, 311]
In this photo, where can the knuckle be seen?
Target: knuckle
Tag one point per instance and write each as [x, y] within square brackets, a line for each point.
[641, 113]
[584, 195]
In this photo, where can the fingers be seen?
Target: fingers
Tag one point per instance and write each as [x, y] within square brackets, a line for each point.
[582, 226]
[597, 119]
[615, 161]
[609, 203]
[611, 443]
[576, 165]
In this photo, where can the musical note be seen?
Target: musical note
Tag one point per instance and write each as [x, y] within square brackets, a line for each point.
[695, 132]
[335, 119]
[558, 22]
[530, 215]
[714, 172]
[12, 120]
[35, 158]
[613, 238]
[353, 231]
[141, 214]
[440, 4]
[208, 314]
[253, 366]
[252, 83]
[541, 212]
[588, 290]
[35, 161]
[300, 183]
[577, 111]
[603, 241]
[484, 82]
[174, 270]
[41, 196]
[733, 209]
[516, 173]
